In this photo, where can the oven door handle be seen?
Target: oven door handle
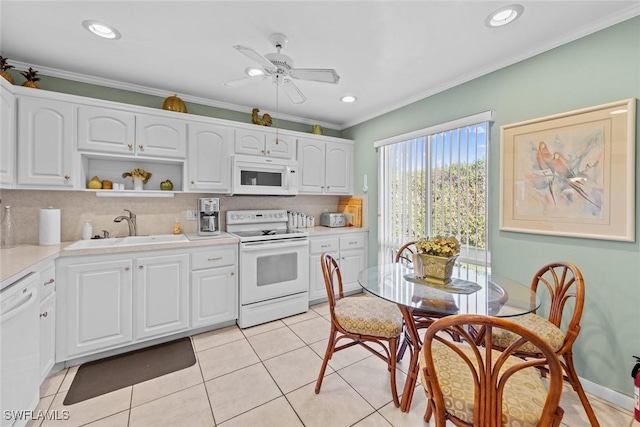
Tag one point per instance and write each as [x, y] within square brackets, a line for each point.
[258, 246]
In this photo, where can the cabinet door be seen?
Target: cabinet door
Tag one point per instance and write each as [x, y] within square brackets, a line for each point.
[7, 139]
[250, 142]
[106, 130]
[339, 168]
[47, 335]
[282, 146]
[352, 263]
[209, 161]
[45, 143]
[317, 287]
[214, 296]
[161, 295]
[94, 306]
[311, 166]
[160, 137]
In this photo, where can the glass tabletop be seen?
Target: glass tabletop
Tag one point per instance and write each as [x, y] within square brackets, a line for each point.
[488, 295]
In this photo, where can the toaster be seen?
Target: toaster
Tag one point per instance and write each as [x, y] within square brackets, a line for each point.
[333, 219]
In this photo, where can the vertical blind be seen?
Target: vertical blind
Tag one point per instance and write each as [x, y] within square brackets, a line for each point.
[433, 182]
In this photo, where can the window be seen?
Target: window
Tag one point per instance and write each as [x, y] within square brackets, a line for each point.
[434, 182]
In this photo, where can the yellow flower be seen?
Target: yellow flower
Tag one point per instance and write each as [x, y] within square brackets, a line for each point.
[438, 246]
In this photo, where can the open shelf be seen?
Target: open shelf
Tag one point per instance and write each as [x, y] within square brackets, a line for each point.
[132, 193]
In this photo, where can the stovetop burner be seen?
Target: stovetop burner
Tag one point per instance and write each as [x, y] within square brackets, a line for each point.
[268, 232]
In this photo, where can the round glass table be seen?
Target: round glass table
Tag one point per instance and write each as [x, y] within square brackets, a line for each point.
[420, 302]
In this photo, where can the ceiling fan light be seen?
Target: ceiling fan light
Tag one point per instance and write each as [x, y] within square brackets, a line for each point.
[504, 15]
[348, 99]
[101, 29]
[252, 72]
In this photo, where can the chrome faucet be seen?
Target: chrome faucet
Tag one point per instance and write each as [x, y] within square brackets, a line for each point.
[131, 220]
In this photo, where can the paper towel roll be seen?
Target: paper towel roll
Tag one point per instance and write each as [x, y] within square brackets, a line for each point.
[49, 227]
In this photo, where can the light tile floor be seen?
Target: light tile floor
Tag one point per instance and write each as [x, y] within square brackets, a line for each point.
[265, 376]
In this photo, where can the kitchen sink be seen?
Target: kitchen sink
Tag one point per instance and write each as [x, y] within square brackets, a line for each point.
[127, 241]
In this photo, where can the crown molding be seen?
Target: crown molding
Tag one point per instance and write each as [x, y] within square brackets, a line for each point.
[99, 81]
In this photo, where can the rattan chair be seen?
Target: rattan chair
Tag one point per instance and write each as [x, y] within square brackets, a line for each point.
[563, 282]
[471, 384]
[360, 321]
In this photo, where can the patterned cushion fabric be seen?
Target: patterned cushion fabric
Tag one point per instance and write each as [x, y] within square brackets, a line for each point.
[546, 330]
[524, 393]
[369, 316]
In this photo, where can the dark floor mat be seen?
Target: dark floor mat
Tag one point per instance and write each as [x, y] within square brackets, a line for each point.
[115, 372]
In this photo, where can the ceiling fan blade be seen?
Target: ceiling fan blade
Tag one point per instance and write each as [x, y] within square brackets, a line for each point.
[244, 80]
[252, 54]
[326, 75]
[293, 92]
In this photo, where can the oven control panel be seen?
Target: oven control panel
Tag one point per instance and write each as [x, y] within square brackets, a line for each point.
[256, 216]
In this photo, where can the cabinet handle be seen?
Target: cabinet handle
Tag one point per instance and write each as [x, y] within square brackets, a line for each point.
[325, 246]
[66, 177]
[45, 314]
[126, 269]
[268, 151]
[48, 282]
[193, 182]
[218, 258]
[232, 273]
[141, 147]
[130, 147]
[352, 243]
[140, 267]
[262, 151]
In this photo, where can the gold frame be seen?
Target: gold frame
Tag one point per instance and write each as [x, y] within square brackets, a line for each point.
[571, 174]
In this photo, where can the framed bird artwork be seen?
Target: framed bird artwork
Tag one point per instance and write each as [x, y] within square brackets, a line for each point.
[571, 174]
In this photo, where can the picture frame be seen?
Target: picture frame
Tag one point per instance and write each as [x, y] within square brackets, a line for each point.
[571, 174]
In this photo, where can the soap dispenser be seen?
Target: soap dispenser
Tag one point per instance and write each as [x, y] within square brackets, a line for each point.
[87, 231]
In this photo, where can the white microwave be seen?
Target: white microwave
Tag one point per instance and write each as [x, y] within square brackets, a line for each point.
[264, 176]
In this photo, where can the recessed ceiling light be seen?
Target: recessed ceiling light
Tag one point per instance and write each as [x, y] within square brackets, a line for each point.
[252, 72]
[348, 98]
[101, 29]
[504, 15]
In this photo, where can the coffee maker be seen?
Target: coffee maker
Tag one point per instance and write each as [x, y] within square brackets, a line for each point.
[208, 216]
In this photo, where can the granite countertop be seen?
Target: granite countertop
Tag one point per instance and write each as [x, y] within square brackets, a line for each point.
[20, 260]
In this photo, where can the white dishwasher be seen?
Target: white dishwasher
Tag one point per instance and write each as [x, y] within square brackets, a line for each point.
[19, 350]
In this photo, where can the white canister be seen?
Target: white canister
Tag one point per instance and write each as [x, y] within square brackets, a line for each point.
[294, 220]
[299, 220]
[87, 231]
[311, 222]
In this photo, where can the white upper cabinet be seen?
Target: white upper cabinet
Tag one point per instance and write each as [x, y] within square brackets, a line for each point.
[7, 138]
[106, 130]
[265, 143]
[209, 157]
[45, 143]
[326, 167]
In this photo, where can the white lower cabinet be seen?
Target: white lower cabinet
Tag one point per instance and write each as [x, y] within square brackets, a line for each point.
[47, 319]
[348, 249]
[94, 304]
[114, 300]
[47, 335]
[161, 295]
[214, 286]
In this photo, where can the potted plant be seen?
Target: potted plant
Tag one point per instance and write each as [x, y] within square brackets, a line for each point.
[140, 177]
[435, 258]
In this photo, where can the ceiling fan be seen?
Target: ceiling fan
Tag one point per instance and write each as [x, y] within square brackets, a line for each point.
[282, 70]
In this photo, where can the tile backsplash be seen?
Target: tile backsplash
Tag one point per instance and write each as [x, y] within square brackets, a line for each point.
[154, 215]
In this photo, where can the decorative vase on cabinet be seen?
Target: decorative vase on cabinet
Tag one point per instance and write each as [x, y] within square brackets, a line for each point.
[137, 184]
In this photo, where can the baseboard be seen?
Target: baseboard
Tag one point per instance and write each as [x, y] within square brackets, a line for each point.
[614, 397]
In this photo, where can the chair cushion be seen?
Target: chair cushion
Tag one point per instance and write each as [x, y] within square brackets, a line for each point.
[524, 393]
[546, 330]
[369, 316]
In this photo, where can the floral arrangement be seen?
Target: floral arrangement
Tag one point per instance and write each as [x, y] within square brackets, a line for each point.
[438, 246]
[138, 173]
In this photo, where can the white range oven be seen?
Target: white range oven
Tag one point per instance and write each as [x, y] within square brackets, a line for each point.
[273, 267]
